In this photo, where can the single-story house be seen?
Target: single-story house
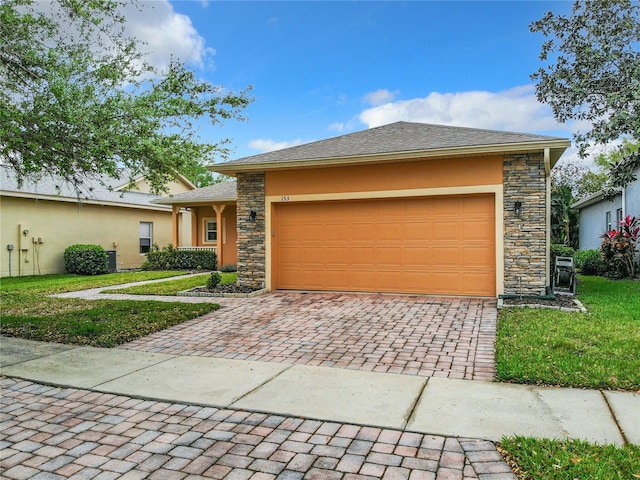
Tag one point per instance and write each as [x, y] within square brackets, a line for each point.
[406, 207]
[40, 219]
[599, 215]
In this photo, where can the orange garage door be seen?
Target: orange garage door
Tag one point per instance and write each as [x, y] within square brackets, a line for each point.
[435, 245]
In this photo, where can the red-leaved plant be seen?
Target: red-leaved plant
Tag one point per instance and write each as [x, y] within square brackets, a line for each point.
[619, 247]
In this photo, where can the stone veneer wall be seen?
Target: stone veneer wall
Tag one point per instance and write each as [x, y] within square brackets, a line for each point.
[251, 241]
[525, 248]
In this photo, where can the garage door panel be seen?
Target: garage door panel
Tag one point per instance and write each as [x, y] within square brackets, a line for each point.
[446, 256]
[478, 256]
[445, 230]
[438, 245]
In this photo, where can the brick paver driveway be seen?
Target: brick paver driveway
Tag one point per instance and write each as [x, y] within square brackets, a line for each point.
[416, 335]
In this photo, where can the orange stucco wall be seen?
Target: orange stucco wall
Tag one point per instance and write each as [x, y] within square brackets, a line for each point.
[430, 173]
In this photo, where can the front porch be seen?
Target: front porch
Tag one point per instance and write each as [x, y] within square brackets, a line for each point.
[213, 220]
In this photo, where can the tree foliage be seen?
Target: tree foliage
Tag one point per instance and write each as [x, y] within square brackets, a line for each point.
[592, 70]
[78, 99]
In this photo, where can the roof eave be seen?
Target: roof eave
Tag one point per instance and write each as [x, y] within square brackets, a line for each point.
[193, 201]
[88, 201]
[556, 147]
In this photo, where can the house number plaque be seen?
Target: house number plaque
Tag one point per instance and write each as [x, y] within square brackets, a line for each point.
[285, 198]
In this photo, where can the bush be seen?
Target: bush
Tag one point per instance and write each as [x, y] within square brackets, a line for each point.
[170, 258]
[229, 268]
[619, 248]
[214, 280]
[590, 262]
[558, 250]
[86, 259]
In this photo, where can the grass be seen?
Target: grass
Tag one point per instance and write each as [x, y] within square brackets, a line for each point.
[171, 287]
[28, 312]
[571, 459]
[594, 350]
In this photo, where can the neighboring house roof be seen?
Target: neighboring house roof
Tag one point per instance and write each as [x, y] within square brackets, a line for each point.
[590, 200]
[140, 178]
[401, 140]
[216, 193]
[97, 190]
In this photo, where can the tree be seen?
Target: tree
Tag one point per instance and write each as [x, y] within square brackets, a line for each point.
[578, 178]
[78, 99]
[592, 73]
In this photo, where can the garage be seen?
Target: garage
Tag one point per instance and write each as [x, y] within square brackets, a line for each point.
[441, 245]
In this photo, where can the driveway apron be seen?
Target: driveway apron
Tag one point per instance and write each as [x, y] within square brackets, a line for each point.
[414, 335]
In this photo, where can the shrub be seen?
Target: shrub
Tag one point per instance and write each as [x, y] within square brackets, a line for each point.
[590, 262]
[86, 259]
[214, 280]
[229, 268]
[170, 258]
[619, 248]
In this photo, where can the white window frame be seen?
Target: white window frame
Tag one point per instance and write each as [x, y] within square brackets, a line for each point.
[618, 217]
[145, 237]
[206, 231]
[608, 221]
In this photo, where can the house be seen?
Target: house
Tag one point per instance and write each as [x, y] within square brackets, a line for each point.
[599, 215]
[406, 207]
[40, 219]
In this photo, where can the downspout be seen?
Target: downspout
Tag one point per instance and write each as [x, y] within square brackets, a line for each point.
[547, 172]
[624, 202]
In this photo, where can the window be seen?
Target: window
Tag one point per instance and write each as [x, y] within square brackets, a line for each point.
[618, 217]
[609, 226]
[211, 231]
[146, 236]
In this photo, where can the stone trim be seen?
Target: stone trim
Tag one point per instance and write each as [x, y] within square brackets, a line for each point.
[525, 237]
[251, 234]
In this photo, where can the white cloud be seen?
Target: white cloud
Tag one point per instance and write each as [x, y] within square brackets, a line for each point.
[166, 34]
[267, 145]
[380, 96]
[515, 109]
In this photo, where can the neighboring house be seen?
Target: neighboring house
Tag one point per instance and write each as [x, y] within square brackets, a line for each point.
[599, 215]
[406, 207]
[40, 219]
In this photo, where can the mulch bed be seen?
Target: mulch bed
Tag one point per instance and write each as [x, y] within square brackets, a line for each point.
[228, 288]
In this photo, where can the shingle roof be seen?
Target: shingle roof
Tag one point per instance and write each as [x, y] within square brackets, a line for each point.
[393, 138]
[92, 191]
[219, 192]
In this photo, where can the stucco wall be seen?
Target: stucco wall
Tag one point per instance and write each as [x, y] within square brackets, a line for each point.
[632, 195]
[60, 224]
[593, 222]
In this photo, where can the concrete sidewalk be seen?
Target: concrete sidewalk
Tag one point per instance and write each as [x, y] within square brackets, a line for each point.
[449, 407]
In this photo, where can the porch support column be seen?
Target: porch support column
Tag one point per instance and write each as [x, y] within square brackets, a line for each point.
[219, 209]
[175, 225]
[194, 228]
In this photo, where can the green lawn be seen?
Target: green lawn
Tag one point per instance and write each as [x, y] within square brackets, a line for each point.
[28, 312]
[171, 287]
[542, 459]
[594, 350]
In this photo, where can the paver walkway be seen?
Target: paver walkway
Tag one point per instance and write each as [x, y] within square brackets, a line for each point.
[416, 335]
[54, 433]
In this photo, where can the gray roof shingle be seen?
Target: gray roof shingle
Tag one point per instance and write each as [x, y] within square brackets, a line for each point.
[393, 138]
[218, 192]
[94, 190]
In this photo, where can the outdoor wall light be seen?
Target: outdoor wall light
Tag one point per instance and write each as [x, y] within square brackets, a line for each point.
[517, 209]
[252, 216]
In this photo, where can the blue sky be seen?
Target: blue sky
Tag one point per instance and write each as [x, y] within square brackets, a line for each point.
[321, 69]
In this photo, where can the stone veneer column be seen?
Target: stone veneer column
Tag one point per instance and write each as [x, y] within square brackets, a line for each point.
[251, 241]
[525, 249]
